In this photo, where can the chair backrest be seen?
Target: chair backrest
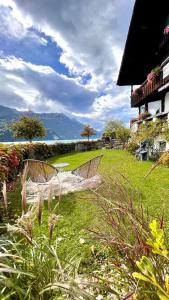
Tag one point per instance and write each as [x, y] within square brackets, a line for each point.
[39, 171]
[88, 169]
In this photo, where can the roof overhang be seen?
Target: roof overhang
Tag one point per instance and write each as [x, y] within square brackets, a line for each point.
[144, 36]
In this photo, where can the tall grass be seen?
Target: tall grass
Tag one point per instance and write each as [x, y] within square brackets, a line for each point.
[30, 267]
[125, 231]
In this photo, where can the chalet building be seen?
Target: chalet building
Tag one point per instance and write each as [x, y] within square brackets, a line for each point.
[145, 62]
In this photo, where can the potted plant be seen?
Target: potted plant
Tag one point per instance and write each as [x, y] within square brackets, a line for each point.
[153, 74]
[144, 115]
[137, 92]
[166, 29]
[133, 120]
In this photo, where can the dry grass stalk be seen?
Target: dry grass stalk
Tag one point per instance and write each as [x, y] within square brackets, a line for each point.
[4, 193]
[24, 225]
[153, 168]
[50, 194]
[52, 220]
[23, 192]
[39, 208]
[26, 221]
[127, 223]
[16, 229]
[60, 189]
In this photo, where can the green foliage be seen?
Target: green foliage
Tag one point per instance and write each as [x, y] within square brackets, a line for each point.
[80, 212]
[123, 134]
[132, 146]
[155, 270]
[28, 128]
[116, 130]
[88, 131]
[33, 268]
[111, 128]
[149, 131]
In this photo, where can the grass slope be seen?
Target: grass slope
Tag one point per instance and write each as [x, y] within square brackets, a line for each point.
[154, 189]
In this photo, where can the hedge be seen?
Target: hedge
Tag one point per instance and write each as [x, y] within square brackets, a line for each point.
[11, 157]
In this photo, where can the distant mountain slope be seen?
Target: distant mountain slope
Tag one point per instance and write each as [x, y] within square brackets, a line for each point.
[58, 125]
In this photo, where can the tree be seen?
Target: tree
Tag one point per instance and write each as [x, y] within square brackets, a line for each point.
[28, 128]
[111, 128]
[88, 131]
[123, 134]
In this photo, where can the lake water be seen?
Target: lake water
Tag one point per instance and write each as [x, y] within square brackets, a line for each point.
[49, 142]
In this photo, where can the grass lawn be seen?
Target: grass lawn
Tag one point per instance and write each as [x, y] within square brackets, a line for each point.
[79, 212]
[154, 189]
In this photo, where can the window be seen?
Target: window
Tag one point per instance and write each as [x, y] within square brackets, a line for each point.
[154, 107]
[162, 146]
[142, 109]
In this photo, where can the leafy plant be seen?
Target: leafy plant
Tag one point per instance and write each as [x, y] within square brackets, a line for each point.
[150, 270]
[153, 74]
[123, 134]
[149, 131]
[132, 146]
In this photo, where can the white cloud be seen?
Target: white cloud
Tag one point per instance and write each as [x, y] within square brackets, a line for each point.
[89, 33]
[40, 88]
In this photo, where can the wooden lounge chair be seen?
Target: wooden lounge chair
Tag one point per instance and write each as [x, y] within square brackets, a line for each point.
[39, 171]
[88, 169]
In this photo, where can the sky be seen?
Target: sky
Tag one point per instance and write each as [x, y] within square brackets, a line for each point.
[64, 56]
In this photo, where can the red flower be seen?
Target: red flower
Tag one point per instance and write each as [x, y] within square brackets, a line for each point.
[166, 29]
[13, 158]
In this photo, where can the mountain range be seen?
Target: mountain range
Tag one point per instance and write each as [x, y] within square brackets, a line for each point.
[58, 125]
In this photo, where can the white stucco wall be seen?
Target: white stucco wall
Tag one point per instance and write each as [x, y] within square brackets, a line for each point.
[166, 102]
[134, 127]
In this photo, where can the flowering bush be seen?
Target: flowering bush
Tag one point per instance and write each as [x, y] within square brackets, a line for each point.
[166, 29]
[153, 74]
[11, 157]
[10, 160]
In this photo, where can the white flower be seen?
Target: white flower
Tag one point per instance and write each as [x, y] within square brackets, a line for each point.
[59, 239]
[82, 241]
[99, 297]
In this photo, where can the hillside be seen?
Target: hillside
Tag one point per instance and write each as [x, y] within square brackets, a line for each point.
[58, 125]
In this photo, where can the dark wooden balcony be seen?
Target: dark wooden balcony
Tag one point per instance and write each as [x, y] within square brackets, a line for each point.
[165, 41]
[147, 89]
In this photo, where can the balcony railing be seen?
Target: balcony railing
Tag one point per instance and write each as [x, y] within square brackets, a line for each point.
[148, 88]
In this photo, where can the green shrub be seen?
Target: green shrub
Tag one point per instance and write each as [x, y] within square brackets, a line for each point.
[132, 147]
